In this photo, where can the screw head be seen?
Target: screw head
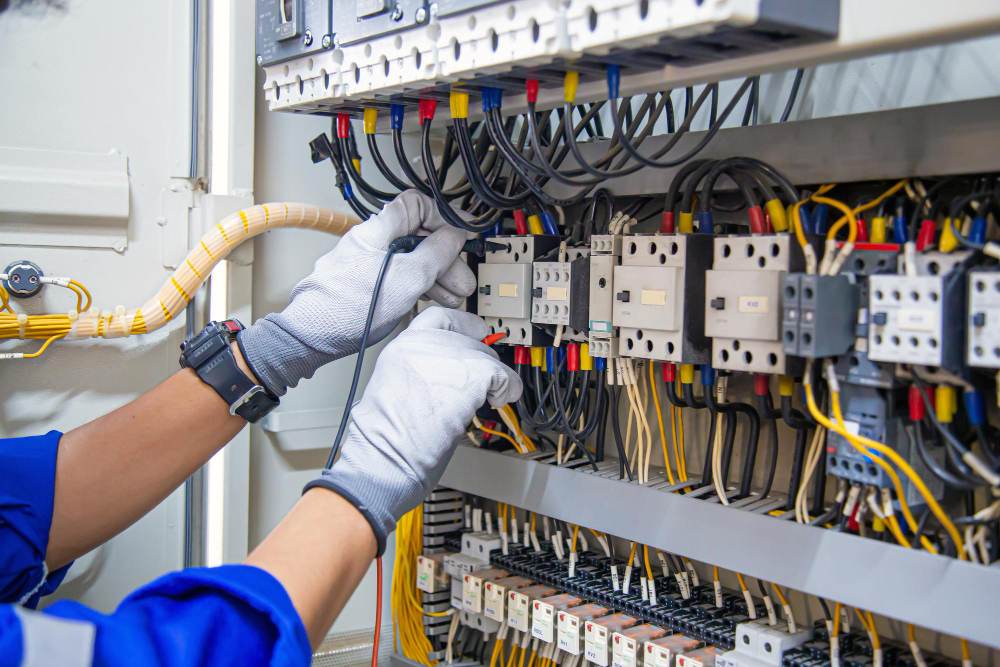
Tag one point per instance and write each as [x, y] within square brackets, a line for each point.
[397, 13]
[260, 60]
[307, 39]
[434, 9]
[327, 41]
[421, 15]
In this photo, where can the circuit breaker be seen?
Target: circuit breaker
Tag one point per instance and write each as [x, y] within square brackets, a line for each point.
[743, 301]
[659, 296]
[560, 293]
[917, 319]
[983, 340]
[505, 284]
[289, 29]
[605, 252]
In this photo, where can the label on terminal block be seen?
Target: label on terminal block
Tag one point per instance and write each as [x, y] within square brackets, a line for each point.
[542, 621]
[568, 633]
[425, 574]
[518, 611]
[493, 601]
[614, 578]
[656, 656]
[472, 594]
[596, 644]
[622, 650]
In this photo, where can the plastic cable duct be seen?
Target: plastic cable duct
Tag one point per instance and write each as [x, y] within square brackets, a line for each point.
[180, 287]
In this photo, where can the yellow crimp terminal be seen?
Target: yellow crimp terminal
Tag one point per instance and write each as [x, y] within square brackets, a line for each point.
[535, 225]
[356, 161]
[687, 373]
[537, 357]
[786, 385]
[777, 214]
[948, 241]
[877, 234]
[570, 83]
[586, 361]
[878, 525]
[685, 223]
[945, 403]
[459, 102]
[370, 120]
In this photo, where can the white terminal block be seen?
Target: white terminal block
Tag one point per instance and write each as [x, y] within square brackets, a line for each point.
[659, 296]
[458, 565]
[605, 251]
[743, 301]
[479, 545]
[983, 338]
[504, 287]
[478, 621]
[761, 645]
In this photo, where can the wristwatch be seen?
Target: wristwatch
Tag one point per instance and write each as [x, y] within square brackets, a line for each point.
[209, 354]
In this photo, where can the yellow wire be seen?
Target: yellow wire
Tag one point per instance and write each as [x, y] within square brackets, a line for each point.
[645, 558]
[861, 443]
[743, 583]
[659, 422]
[878, 200]
[847, 219]
[873, 631]
[966, 656]
[836, 620]
[86, 292]
[682, 461]
[40, 351]
[5, 300]
[779, 593]
[498, 434]
[572, 542]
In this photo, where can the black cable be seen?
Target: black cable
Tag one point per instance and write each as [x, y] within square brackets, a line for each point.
[380, 163]
[752, 436]
[766, 408]
[623, 467]
[916, 437]
[796, 82]
[798, 462]
[356, 377]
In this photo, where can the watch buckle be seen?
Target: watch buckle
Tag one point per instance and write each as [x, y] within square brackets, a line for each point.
[245, 398]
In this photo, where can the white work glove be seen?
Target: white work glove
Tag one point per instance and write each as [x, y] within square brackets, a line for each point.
[326, 316]
[426, 388]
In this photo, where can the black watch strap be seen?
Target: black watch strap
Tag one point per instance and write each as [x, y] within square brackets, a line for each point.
[210, 355]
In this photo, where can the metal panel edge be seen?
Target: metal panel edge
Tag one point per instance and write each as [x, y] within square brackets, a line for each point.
[957, 597]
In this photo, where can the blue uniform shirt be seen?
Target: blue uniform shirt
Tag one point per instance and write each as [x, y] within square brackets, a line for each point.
[235, 614]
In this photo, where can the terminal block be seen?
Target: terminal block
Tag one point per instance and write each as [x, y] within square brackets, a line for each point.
[983, 340]
[605, 251]
[819, 315]
[659, 297]
[560, 293]
[743, 302]
[761, 645]
[504, 291]
[917, 319]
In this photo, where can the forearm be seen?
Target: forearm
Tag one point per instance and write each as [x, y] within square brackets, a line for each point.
[319, 552]
[113, 470]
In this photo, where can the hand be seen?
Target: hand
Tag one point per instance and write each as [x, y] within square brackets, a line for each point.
[326, 315]
[427, 385]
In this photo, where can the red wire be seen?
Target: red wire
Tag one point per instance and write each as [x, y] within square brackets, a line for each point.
[378, 610]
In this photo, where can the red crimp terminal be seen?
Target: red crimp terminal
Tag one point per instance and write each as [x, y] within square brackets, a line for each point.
[667, 222]
[761, 384]
[768, 227]
[916, 405]
[756, 220]
[531, 90]
[522, 356]
[427, 108]
[493, 339]
[669, 372]
[343, 126]
[925, 237]
[520, 222]
[573, 357]
[862, 231]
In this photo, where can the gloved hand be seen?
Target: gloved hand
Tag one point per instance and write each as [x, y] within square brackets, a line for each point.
[326, 315]
[427, 385]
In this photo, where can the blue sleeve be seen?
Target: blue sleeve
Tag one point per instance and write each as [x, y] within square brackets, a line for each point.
[27, 486]
[234, 614]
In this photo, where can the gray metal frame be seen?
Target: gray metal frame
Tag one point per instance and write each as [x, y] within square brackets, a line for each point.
[935, 592]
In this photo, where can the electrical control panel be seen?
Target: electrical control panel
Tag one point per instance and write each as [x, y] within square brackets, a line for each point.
[605, 254]
[759, 644]
[983, 325]
[744, 294]
[917, 319]
[505, 287]
[659, 297]
[288, 29]
[560, 293]
[385, 49]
